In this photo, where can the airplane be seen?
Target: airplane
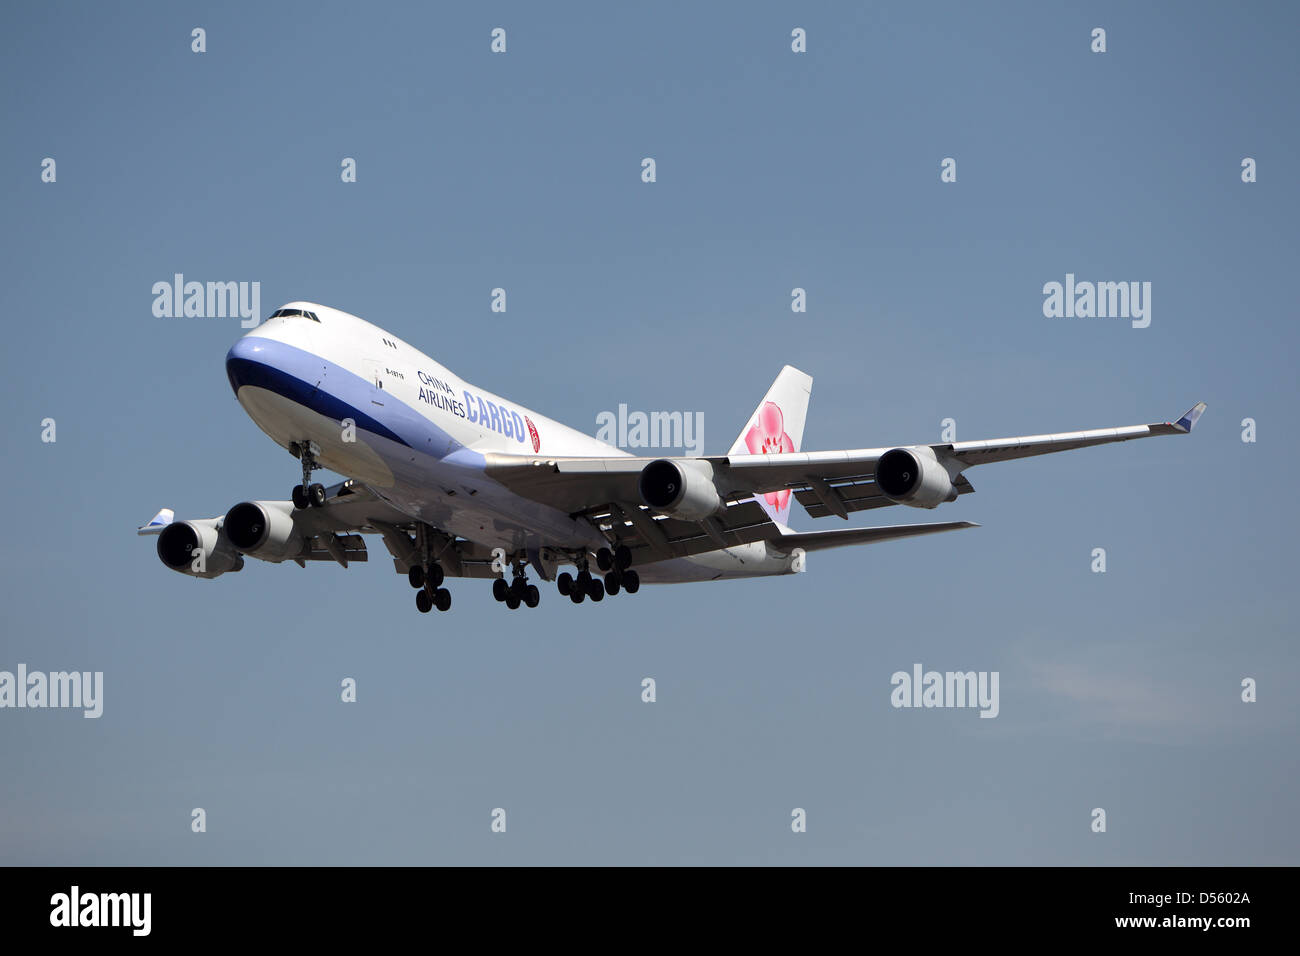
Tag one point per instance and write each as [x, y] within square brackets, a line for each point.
[459, 482]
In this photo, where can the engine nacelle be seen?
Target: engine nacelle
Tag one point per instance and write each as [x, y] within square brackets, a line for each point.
[198, 548]
[914, 476]
[682, 488]
[265, 530]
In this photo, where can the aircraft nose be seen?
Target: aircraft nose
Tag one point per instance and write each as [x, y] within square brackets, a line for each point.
[245, 361]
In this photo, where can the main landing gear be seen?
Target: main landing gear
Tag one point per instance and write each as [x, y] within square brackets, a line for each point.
[518, 591]
[618, 576]
[307, 494]
[431, 594]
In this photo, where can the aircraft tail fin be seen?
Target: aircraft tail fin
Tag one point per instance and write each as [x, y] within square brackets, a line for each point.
[776, 427]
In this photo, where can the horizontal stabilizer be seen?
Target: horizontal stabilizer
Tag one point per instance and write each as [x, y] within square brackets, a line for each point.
[820, 540]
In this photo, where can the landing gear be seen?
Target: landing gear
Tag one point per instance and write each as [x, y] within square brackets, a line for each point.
[418, 575]
[307, 494]
[427, 598]
[423, 571]
[616, 576]
[518, 591]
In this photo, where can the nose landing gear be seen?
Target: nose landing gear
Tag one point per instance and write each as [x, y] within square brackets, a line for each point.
[307, 494]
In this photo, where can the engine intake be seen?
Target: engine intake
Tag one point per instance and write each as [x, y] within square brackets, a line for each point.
[913, 476]
[178, 542]
[683, 488]
[264, 529]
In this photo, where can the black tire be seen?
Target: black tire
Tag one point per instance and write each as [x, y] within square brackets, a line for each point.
[612, 583]
[564, 583]
[416, 576]
[532, 596]
[436, 575]
[299, 497]
[517, 587]
[596, 589]
[442, 599]
[604, 559]
[576, 595]
[512, 601]
[500, 589]
[424, 601]
[622, 557]
[631, 582]
[583, 580]
[316, 495]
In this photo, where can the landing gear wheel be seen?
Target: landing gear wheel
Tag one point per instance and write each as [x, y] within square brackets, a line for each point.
[512, 601]
[316, 494]
[612, 583]
[604, 559]
[564, 583]
[517, 588]
[500, 590]
[416, 576]
[435, 574]
[299, 497]
[583, 580]
[576, 595]
[596, 589]
[424, 601]
[532, 596]
[631, 582]
[622, 557]
[441, 599]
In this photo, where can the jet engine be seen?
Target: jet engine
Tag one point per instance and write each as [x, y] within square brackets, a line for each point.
[265, 530]
[913, 476]
[682, 488]
[198, 548]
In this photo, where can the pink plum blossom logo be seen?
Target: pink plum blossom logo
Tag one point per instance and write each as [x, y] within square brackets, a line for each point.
[767, 437]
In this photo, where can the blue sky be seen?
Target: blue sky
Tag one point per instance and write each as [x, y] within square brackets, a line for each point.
[775, 170]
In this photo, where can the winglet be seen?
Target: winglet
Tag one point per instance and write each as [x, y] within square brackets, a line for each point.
[1190, 417]
[159, 521]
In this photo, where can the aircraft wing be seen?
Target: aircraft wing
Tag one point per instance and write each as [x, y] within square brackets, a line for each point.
[826, 482]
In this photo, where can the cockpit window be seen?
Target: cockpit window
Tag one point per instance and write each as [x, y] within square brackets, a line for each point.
[294, 313]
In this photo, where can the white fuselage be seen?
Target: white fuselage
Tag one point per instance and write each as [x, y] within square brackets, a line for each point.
[420, 433]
